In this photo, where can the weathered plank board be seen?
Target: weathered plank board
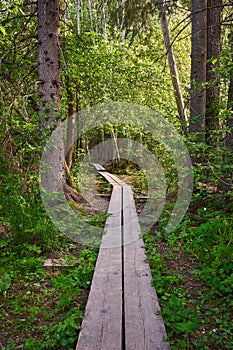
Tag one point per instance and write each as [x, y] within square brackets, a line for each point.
[102, 323]
[113, 178]
[98, 167]
[143, 328]
[109, 178]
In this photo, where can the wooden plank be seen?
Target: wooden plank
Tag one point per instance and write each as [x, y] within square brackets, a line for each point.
[131, 226]
[143, 328]
[114, 178]
[62, 262]
[111, 179]
[102, 323]
[98, 167]
[113, 224]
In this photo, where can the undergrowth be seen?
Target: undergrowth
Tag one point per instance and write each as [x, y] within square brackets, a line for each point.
[192, 270]
[43, 308]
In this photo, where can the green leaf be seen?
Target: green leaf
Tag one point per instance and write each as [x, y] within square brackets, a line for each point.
[2, 30]
[186, 326]
[5, 282]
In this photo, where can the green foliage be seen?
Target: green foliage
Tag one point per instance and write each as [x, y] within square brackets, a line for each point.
[206, 236]
[28, 221]
[105, 71]
[5, 282]
[47, 303]
[62, 334]
[77, 278]
[21, 261]
[212, 243]
[178, 318]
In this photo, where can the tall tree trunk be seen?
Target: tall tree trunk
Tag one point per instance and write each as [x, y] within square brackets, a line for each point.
[229, 134]
[70, 125]
[77, 5]
[227, 182]
[78, 110]
[122, 20]
[214, 9]
[198, 69]
[117, 157]
[90, 15]
[49, 59]
[103, 18]
[172, 63]
[50, 92]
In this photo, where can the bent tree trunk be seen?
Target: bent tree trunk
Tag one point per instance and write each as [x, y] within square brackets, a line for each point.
[172, 63]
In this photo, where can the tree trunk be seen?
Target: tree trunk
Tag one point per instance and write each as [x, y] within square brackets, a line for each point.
[117, 157]
[70, 125]
[122, 20]
[49, 60]
[103, 18]
[198, 69]
[172, 64]
[90, 15]
[50, 94]
[78, 110]
[214, 9]
[229, 134]
[227, 181]
[77, 5]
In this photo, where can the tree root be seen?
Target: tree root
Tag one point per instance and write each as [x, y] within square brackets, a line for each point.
[72, 195]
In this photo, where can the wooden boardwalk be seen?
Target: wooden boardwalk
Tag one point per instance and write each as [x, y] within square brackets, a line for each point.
[121, 312]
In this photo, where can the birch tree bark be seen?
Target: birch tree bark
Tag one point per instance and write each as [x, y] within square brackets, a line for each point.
[77, 5]
[103, 18]
[122, 20]
[198, 69]
[90, 14]
[115, 146]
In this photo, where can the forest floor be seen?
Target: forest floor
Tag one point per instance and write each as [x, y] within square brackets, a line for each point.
[43, 307]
